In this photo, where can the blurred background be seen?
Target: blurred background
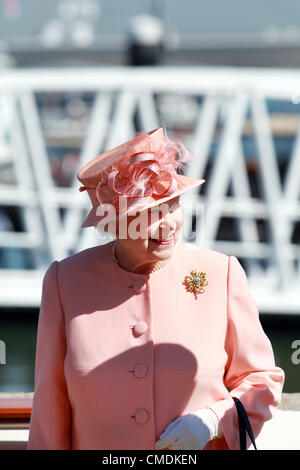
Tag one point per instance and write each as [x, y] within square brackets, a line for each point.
[79, 77]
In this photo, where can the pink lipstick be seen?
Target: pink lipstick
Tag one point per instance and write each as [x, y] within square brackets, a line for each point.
[162, 242]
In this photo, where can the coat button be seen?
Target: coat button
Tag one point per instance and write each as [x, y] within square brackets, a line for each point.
[139, 285]
[140, 328]
[141, 416]
[140, 370]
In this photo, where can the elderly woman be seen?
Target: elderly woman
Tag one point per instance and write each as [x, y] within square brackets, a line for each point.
[144, 342]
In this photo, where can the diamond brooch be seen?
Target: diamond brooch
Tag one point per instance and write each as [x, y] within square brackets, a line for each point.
[195, 282]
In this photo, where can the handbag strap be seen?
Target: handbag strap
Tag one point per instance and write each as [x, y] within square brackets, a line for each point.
[244, 424]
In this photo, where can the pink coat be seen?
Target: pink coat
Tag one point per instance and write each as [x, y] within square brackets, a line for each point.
[120, 355]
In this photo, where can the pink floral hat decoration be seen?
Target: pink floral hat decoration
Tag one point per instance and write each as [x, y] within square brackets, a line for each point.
[142, 171]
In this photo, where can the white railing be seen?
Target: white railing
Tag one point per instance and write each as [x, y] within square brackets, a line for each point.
[227, 95]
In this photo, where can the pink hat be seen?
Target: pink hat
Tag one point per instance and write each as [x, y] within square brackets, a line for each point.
[136, 175]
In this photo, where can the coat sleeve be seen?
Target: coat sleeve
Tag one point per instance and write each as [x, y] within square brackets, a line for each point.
[250, 372]
[50, 423]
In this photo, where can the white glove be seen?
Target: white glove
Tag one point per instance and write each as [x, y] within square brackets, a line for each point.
[191, 431]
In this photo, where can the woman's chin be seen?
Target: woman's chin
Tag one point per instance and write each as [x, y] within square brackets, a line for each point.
[162, 251]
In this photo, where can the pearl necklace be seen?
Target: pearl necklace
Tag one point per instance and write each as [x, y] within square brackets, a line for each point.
[158, 265]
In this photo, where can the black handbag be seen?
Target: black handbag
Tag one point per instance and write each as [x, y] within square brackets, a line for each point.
[244, 425]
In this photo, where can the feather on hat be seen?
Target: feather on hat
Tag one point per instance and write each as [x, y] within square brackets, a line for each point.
[136, 175]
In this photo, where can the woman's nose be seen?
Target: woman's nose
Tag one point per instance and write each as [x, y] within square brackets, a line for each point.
[168, 225]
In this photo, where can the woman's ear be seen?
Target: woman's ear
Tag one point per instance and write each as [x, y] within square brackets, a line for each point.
[104, 230]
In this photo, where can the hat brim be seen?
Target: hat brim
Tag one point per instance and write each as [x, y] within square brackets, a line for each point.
[186, 183]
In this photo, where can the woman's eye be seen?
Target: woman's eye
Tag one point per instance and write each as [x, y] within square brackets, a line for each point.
[174, 206]
[155, 211]
[158, 209]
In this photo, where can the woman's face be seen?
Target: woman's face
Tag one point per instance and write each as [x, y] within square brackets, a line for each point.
[159, 230]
